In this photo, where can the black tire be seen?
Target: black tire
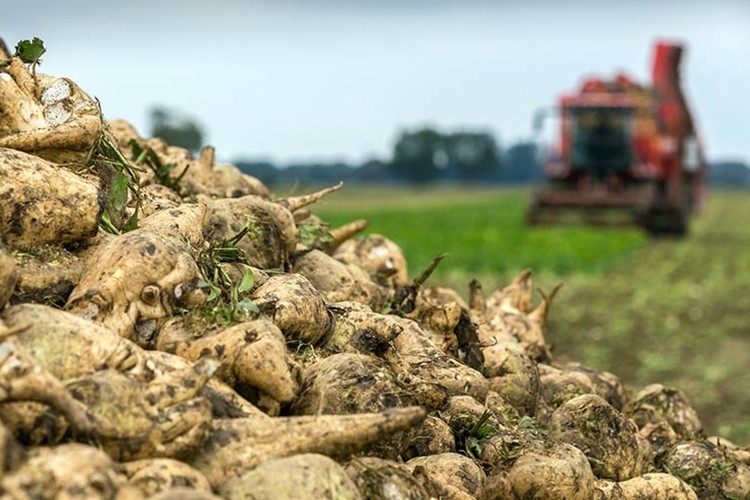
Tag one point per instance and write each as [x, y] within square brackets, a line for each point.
[666, 222]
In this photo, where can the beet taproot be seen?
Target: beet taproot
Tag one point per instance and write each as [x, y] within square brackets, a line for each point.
[380, 257]
[655, 403]
[155, 475]
[43, 203]
[558, 386]
[415, 354]
[606, 384]
[182, 223]
[339, 282]
[356, 328]
[48, 116]
[70, 346]
[306, 475]
[449, 475]
[23, 379]
[70, 470]
[432, 437]
[349, 383]
[271, 234]
[252, 354]
[378, 478]
[238, 445]
[560, 473]
[295, 306]
[471, 422]
[225, 402]
[343, 233]
[609, 440]
[513, 375]
[8, 275]
[46, 276]
[655, 486]
[11, 451]
[166, 418]
[133, 282]
[742, 454]
[516, 297]
[439, 322]
[709, 469]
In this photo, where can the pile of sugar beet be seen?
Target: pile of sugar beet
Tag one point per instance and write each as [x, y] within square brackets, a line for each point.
[170, 329]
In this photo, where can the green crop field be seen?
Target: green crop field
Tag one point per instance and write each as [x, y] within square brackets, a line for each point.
[675, 312]
[482, 231]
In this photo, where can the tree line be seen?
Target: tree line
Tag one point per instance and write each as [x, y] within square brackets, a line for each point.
[420, 156]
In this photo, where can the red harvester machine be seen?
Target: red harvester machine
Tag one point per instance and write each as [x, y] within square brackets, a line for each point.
[626, 154]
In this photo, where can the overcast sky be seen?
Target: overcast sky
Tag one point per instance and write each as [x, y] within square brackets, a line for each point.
[290, 80]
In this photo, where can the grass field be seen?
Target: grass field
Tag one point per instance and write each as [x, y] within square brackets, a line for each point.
[482, 231]
[670, 311]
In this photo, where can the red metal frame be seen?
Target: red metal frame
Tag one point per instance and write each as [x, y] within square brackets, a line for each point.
[662, 124]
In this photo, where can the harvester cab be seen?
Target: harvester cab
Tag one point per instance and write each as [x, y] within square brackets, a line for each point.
[624, 154]
[601, 141]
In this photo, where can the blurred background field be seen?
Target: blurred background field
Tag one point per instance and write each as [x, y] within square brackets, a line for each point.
[673, 311]
[483, 231]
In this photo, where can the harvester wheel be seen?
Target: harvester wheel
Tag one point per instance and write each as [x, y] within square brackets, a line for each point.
[666, 221]
[535, 213]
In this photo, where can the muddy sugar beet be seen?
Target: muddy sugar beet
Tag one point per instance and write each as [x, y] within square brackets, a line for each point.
[189, 335]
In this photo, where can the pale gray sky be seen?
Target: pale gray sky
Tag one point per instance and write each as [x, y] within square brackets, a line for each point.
[291, 80]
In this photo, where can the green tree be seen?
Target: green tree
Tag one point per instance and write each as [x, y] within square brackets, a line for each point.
[419, 156]
[176, 129]
[425, 154]
[473, 155]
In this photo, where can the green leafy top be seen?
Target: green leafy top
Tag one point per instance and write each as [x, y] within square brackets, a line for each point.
[30, 51]
[227, 302]
[314, 234]
[162, 171]
[124, 180]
